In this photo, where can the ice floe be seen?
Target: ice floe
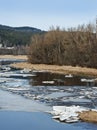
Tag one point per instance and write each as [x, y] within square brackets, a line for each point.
[5, 68]
[48, 82]
[67, 114]
[69, 76]
[58, 95]
[87, 80]
[25, 70]
[15, 75]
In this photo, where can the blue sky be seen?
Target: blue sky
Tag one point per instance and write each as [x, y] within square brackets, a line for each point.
[45, 13]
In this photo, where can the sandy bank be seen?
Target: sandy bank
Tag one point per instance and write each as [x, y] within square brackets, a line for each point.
[58, 69]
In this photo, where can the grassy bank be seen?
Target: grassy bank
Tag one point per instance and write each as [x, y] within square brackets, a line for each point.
[58, 69]
[24, 57]
[51, 68]
[88, 116]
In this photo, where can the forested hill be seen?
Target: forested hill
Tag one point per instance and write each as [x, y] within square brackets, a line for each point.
[17, 36]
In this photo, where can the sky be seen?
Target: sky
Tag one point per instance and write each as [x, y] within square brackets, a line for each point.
[43, 14]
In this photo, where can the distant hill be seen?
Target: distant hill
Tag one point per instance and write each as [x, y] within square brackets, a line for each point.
[14, 36]
[27, 29]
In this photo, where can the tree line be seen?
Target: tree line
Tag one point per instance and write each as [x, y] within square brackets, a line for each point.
[73, 46]
[16, 38]
[16, 50]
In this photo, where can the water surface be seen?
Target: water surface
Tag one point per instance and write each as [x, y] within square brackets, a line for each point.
[37, 121]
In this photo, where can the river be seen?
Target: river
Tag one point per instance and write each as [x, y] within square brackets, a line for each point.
[32, 93]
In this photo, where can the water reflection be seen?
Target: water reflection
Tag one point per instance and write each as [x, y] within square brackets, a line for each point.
[9, 61]
[58, 80]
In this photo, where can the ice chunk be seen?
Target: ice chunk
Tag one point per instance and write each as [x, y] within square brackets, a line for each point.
[69, 76]
[87, 80]
[25, 70]
[16, 75]
[48, 82]
[67, 114]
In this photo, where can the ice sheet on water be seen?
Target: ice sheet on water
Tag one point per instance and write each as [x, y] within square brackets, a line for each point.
[79, 100]
[7, 74]
[58, 94]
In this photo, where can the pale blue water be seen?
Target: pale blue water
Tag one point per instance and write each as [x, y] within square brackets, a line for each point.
[37, 121]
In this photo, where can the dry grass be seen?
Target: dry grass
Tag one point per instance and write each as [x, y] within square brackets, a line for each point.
[13, 57]
[52, 68]
[58, 69]
[88, 116]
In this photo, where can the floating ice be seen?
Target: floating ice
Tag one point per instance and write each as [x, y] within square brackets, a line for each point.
[15, 75]
[58, 95]
[87, 80]
[69, 76]
[5, 68]
[48, 82]
[25, 70]
[18, 89]
[67, 114]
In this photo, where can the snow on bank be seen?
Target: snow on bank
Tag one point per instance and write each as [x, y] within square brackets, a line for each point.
[67, 114]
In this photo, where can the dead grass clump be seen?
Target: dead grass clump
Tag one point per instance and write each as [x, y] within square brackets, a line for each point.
[88, 116]
[24, 57]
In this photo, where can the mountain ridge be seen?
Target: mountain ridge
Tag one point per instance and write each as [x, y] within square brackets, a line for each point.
[20, 28]
[17, 36]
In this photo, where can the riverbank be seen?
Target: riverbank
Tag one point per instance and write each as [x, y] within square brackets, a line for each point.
[20, 57]
[58, 69]
[51, 68]
[88, 116]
